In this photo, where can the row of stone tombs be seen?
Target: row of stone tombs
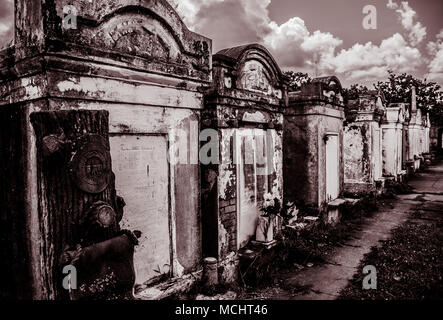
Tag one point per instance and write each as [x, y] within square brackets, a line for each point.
[309, 154]
[190, 169]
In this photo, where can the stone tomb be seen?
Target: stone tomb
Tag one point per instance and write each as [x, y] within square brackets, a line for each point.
[393, 136]
[418, 132]
[313, 144]
[244, 107]
[363, 163]
[138, 61]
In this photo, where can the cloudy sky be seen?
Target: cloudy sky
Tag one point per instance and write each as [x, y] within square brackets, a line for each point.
[319, 36]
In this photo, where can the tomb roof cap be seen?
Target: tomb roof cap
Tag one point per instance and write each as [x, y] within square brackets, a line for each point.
[235, 54]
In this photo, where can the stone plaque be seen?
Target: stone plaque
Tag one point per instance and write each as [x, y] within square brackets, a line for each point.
[256, 117]
[142, 177]
[253, 77]
[91, 165]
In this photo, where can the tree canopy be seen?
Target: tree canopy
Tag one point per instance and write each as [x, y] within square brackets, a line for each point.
[296, 79]
[398, 88]
[354, 92]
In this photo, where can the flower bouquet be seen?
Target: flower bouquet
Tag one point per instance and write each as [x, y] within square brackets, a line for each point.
[273, 214]
[267, 221]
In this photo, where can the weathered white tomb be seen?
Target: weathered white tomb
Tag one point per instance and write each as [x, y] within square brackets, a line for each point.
[393, 146]
[136, 60]
[245, 107]
[417, 142]
[363, 164]
[313, 144]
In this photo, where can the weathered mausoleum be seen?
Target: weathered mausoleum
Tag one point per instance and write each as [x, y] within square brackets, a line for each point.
[313, 141]
[417, 136]
[363, 165]
[245, 107]
[393, 140]
[127, 146]
[138, 61]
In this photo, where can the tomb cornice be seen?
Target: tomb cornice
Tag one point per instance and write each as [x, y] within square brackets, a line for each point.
[323, 109]
[297, 101]
[242, 97]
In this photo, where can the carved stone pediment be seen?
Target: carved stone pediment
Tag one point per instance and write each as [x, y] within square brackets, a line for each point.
[255, 78]
[143, 43]
[146, 35]
[132, 34]
[250, 68]
[326, 88]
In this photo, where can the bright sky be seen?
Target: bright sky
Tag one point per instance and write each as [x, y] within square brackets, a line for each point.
[321, 37]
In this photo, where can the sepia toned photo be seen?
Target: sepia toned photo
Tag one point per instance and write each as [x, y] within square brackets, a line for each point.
[221, 154]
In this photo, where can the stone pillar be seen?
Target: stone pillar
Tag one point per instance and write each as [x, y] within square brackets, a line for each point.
[414, 99]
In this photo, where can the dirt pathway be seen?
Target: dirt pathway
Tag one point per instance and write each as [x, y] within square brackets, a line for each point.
[326, 281]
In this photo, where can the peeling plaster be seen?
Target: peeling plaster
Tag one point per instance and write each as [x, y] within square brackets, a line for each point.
[32, 88]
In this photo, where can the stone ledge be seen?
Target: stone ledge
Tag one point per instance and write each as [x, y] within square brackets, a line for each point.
[334, 214]
[266, 245]
[336, 203]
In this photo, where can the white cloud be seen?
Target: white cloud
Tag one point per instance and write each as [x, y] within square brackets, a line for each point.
[234, 22]
[435, 66]
[417, 32]
[369, 63]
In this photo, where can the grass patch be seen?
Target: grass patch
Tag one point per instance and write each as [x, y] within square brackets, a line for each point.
[409, 266]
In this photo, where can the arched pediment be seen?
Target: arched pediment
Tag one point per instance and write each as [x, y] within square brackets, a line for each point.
[255, 76]
[255, 68]
[330, 88]
[136, 34]
[150, 29]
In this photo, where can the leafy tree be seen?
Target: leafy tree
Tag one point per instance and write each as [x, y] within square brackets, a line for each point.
[296, 79]
[354, 92]
[398, 89]
[437, 114]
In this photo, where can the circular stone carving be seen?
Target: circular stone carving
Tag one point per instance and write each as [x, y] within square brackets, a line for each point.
[91, 165]
[105, 216]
